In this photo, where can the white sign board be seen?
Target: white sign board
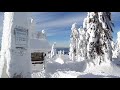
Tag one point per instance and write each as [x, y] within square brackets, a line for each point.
[21, 37]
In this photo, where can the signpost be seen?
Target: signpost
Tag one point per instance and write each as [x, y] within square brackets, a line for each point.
[21, 37]
[15, 61]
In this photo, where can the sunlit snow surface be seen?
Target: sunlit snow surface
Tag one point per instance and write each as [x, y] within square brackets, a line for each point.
[59, 60]
[77, 69]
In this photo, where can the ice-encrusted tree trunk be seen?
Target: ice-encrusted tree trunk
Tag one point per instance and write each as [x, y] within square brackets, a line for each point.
[74, 42]
[98, 36]
[15, 61]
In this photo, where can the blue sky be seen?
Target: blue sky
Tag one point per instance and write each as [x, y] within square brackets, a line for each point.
[58, 24]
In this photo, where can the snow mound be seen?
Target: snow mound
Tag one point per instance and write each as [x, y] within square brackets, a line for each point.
[105, 68]
[59, 60]
[40, 74]
[65, 74]
[90, 75]
[79, 59]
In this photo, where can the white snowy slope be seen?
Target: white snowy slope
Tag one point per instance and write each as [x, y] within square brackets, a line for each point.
[105, 68]
[65, 74]
[72, 69]
[91, 51]
[38, 74]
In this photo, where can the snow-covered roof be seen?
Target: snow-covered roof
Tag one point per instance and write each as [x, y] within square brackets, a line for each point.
[41, 45]
[39, 35]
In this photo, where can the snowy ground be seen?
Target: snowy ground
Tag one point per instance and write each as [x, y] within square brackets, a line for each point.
[76, 69]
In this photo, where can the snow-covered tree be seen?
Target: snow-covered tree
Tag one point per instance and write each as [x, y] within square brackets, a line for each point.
[53, 50]
[91, 36]
[113, 48]
[63, 52]
[86, 26]
[117, 46]
[74, 41]
[60, 53]
[98, 27]
[113, 45]
[106, 30]
[81, 43]
[118, 40]
[71, 52]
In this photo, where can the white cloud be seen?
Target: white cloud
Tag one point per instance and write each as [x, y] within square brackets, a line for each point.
[63, 22]
[51, 34]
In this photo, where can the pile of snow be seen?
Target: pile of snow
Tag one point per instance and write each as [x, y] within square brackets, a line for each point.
[65, 74]
[40, 74]
[76, 69]
[108, 68]
[59, 60]
[91, 75]
[80, 59]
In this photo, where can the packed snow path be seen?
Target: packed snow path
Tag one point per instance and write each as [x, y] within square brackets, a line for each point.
[70, 69]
